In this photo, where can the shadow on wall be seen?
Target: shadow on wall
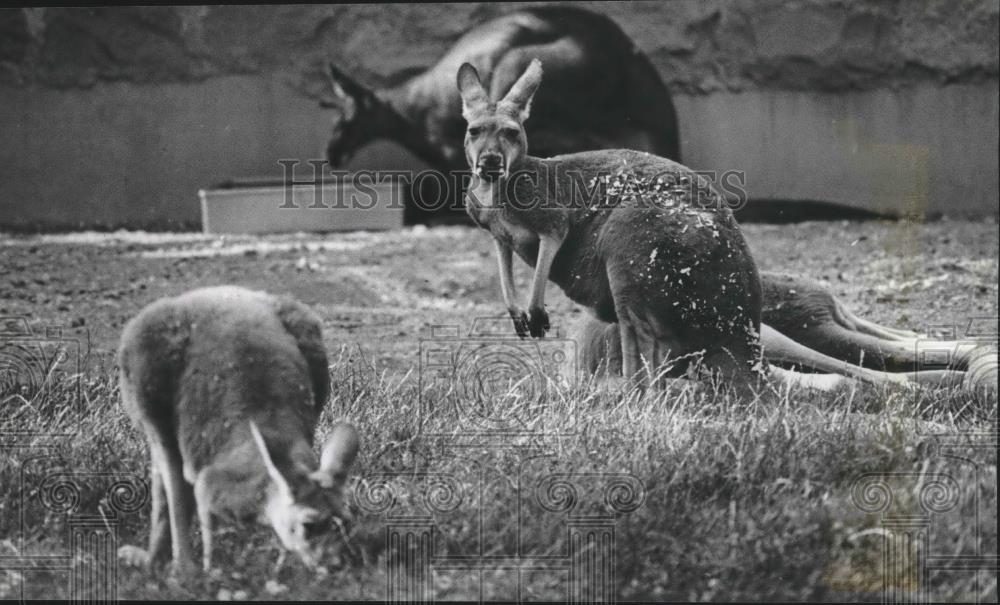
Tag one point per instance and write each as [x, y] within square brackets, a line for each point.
[922, 151]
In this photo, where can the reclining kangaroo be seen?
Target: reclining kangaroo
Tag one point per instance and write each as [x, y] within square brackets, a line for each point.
[227, 384]
[631, 108]
[812, 316]
[673, 271]
[823, 335]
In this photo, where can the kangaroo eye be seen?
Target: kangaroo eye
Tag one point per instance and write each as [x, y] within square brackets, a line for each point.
[475, 131]
[510, 133]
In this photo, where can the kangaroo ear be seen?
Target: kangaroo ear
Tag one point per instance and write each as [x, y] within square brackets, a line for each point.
[523, 90]
[339, 452]
[347, 85]
[474, 96]
[272, 470]
[347, 92]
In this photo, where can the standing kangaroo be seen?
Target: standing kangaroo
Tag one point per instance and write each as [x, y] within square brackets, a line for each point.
[654, 248]
[227, 384]
[631, 108]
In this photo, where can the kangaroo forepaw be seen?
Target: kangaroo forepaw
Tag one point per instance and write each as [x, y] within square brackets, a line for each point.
[520, 322]
[538, 323]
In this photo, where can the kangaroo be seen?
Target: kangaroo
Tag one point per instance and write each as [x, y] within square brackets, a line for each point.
[227, 384]
[799, 311]
[654, 247]
[632, 107]
[807, 312]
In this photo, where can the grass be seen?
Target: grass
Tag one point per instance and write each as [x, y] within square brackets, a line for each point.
[740, 500]
[737, 500]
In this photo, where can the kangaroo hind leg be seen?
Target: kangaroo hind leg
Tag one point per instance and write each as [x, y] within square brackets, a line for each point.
[849, 320]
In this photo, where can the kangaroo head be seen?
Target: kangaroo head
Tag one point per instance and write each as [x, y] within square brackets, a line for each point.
[355, 122]
[495, 140]
[301, 504]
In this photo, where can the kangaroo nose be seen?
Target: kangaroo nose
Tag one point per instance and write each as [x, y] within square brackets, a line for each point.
[491, 160]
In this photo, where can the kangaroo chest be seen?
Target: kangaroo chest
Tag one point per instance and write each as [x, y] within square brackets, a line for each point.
[522, 241]
[485, 212]
[577, 268]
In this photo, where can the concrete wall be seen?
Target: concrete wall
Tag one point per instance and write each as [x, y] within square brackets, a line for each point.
[923, 150]
[118, 116]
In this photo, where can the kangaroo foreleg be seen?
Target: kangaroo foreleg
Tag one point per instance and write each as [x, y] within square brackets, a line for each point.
[538, 319]
[506, 267]
[505, 262]
[507, 289]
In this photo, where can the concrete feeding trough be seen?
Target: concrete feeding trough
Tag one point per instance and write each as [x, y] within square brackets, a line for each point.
[269, 206]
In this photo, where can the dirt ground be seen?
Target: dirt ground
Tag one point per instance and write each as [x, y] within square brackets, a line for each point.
[741, 503]
[383, 292]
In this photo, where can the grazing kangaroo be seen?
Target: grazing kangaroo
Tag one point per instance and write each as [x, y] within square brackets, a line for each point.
[654, 248]
[798, 312]
[228, 384]
[632, 107]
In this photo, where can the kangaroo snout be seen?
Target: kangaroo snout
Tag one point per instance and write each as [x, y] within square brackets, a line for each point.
[491, 165]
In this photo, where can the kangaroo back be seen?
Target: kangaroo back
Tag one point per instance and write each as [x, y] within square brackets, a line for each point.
[218, 354]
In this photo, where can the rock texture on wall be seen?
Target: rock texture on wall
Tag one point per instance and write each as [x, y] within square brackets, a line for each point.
[116, 117]
[698, 46]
